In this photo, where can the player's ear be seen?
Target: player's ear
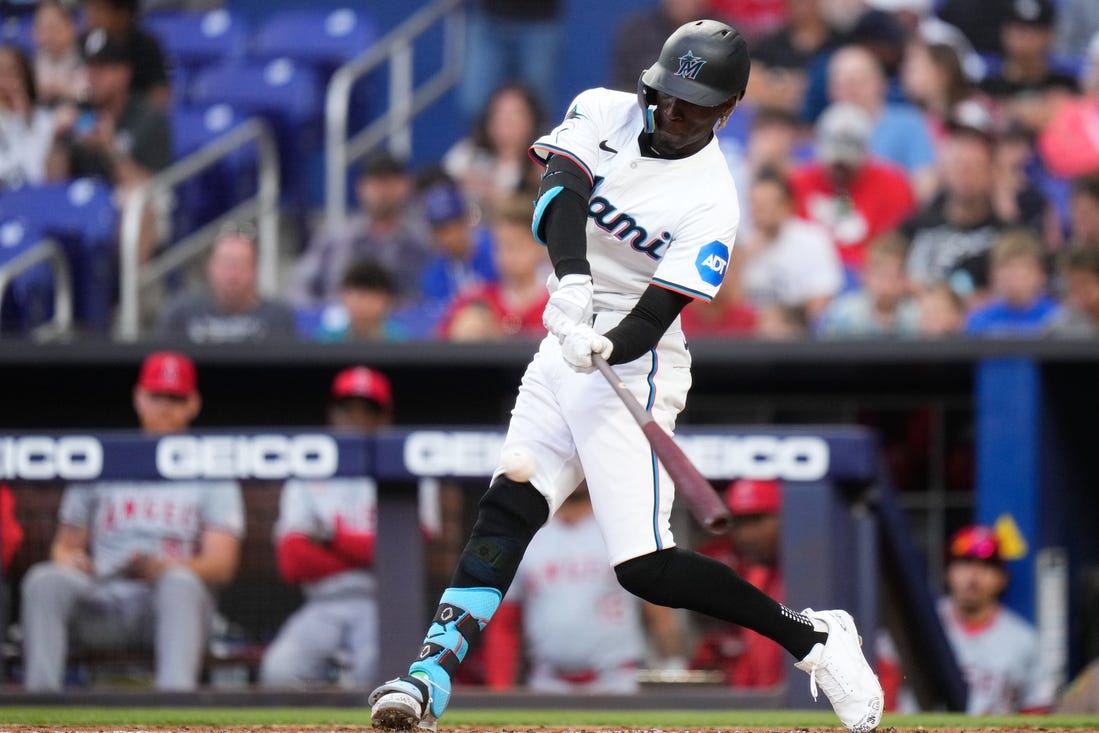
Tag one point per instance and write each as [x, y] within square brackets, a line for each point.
[725, 110]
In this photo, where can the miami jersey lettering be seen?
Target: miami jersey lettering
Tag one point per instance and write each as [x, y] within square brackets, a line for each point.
[638, 234]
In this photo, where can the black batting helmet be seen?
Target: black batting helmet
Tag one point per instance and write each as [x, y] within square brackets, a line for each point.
[704, 62]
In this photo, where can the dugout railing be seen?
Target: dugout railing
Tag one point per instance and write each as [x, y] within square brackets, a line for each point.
[845, 541]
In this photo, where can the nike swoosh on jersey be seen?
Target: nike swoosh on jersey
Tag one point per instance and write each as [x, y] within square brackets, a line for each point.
[603, 146]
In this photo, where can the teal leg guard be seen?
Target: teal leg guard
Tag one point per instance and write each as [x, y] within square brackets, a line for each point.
[463, 613]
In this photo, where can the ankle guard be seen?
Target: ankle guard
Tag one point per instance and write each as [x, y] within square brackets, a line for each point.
[462, 615]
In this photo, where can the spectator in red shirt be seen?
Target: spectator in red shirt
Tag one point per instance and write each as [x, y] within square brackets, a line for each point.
[854, 196]
[752, 549]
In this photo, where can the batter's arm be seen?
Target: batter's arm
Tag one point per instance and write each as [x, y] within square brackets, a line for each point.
[70, 548]
[644, 326]
[561, 216]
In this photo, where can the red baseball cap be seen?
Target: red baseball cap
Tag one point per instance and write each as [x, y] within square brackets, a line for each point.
[754, 496]
[360, 381]
[975, 542]
[168, 372]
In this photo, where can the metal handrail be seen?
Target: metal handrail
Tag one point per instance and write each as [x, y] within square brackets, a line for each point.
[46, 250]
[135, 276]
[404, 101]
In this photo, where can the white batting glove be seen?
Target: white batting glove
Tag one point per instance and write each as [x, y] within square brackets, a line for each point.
[568, 305]
[580, 343]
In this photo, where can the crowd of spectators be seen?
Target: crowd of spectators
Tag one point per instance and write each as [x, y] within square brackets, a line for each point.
[873, 132]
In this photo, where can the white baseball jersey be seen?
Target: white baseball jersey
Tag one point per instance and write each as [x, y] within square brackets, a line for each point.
[650, 221]
[576, 617]
[156, 518]
[668, 222]
[312, 508]
[1000, 662]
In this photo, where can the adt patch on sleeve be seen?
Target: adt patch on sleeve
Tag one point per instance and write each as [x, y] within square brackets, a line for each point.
[712, 262]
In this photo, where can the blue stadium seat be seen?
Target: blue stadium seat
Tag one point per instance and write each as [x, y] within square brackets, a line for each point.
[28, 300]
[221, 186]
[82, 216]
[193, 127]
[197, 40]
[323, 38]
[285, 93]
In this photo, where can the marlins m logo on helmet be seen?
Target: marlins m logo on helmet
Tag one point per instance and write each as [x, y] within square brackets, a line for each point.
[689, 65]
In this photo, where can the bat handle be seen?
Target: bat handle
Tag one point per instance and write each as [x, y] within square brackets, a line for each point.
[639, 413]
[605, 369]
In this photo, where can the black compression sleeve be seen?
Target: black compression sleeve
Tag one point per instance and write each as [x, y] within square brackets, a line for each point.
[566, 216]
[643, 326]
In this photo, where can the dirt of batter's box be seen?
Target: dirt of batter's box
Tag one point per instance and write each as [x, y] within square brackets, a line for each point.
[476, 729]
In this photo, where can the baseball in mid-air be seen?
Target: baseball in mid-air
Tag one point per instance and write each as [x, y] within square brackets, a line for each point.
[518, 464]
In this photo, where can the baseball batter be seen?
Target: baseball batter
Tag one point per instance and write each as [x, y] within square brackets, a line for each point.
[133, 562]
[638, 211]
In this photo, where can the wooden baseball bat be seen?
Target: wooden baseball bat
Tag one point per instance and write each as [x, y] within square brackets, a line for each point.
[703, 502]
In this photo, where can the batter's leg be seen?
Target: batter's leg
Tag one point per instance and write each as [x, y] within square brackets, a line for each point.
[304, 645]
[50, 593]
[182, 606]
[825, 643]
[509, 514]
[681, 578]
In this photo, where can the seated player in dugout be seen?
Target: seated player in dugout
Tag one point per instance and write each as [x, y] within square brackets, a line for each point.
[324, 540]
[136, 564]
[638, 211]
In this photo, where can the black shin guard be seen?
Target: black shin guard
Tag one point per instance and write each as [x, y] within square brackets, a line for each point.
[508, 515]
[682, 579]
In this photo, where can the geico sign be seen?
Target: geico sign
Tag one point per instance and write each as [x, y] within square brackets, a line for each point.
[246, 456]
[793, 458]
[441, 453]
[36, 458]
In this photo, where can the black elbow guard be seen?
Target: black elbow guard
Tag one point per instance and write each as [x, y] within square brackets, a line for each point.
[562, 175]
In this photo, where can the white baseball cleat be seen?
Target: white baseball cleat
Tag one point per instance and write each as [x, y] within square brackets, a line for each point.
[841, 670]
[402, 704]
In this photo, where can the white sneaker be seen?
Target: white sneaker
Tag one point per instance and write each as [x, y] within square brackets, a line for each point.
[403, 704]
[841, 670]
